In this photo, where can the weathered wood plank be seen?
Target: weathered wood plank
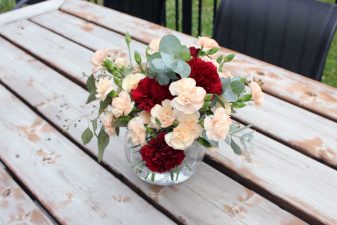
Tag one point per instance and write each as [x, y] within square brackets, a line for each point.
[208, 198]
[85, 33]
[74, 188]
[279, 119]
[16, 207]
[298, 90]
[30, 11]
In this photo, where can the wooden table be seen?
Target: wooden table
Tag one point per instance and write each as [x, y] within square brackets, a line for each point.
[47, 176]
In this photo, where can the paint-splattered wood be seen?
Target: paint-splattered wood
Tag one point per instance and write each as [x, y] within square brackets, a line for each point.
[30, 11]
[16, 207]
[72, 186]
[277, 118]
[299, 90]
[208, 198]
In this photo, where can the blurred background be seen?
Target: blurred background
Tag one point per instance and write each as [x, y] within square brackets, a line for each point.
[194, 17]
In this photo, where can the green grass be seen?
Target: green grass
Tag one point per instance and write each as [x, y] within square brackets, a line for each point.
[6, 5]
[330, 68]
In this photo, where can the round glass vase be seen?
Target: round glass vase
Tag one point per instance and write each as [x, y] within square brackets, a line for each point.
[193, 157]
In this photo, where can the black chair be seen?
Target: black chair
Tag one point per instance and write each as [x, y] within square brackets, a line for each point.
[293, 34]
[151, 10]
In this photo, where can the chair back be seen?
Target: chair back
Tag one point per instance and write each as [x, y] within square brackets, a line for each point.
[151, 10]
[293, 34]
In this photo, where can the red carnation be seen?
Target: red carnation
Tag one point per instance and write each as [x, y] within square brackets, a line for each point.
[149, 93]
[194, 51]
[159, 157]
[206, 75]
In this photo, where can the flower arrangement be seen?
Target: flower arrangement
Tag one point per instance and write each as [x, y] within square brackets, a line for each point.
[179, 96]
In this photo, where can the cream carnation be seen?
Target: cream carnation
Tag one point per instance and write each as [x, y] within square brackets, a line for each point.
[217, 126]
[98, 58]
[189, 97]
[257, 93]
[207, 43]
[104, 86]
[122, 105]
[185, 133]
[137, 131]
[154, 45]
[164, 113]
[131, 81]
[107, 121]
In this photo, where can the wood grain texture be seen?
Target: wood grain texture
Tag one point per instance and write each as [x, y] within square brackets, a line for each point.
[208, 198]
[16, 207]
[298, 90]
[73, 187]
[277, 118]
[30, 11]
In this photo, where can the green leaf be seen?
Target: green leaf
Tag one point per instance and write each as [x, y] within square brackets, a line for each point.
[229, 58]
[91, 86]
[157, 121]
[241, 129]
[171, 45]
[220, 59]
[103, 141]
[208, 97]
[94, 125]
[204, 142]
[212, 51]
[219, 100]
[87, 136]
[113, 94]
[245, 98]
[238, 105]
[138, 58]
[228, 94]
[92, 97]
[236, 148]
[122, 121]
[118, 81]
[237, 86]
[153, 175]
[104, 104]
[127, 38]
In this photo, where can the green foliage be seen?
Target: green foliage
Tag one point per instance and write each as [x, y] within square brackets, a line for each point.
[87, 136]
[91, 87]
[204, 142]
[104, 104]
[138, 58]
[103, 141]
[6, 5]
[127, 39]
[170, 60]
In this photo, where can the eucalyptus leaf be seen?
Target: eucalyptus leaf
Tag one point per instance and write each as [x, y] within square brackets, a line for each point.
[237, 86]
[182, 68]
[236, 148]
[87, 136]
[103, 141]
[240, 129]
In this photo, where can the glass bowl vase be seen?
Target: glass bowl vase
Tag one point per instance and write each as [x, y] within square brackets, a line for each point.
[193, 157]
